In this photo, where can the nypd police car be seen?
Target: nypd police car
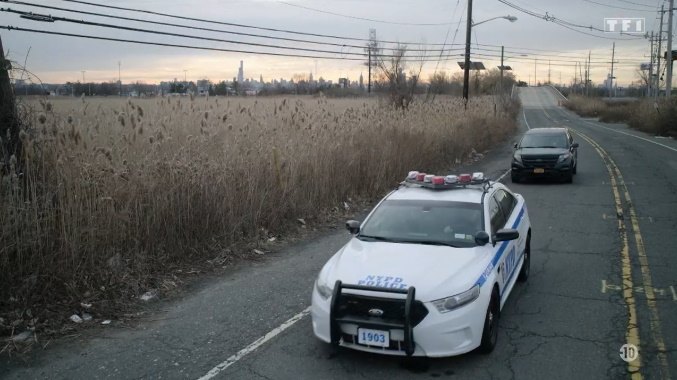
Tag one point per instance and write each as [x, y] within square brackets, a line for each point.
[428, 271]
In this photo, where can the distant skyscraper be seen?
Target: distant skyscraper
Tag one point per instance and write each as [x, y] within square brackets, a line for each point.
[310, 78]
[361, 81]
[240, 73]
[261, 78]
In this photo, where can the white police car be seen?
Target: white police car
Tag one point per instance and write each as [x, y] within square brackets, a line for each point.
[428, 271]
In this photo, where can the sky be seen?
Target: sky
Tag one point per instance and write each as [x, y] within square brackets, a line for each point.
[534, 47]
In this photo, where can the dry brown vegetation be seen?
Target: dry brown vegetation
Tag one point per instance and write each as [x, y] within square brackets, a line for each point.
[116, 191]
[659, 118]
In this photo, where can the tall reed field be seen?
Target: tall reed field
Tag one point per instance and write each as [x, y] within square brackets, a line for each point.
[116, 192]
[647, 115]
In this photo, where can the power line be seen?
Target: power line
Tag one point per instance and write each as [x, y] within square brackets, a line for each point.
[563, 23]
[236, 25]
[618, 7]
[199, 28]
[363, 18]
[10, 28]
[632, 2]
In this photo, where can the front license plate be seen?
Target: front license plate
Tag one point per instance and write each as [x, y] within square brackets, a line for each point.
[370, 337]
[539, 171]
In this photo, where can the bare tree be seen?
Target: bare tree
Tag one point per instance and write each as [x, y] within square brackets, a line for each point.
[400, 86]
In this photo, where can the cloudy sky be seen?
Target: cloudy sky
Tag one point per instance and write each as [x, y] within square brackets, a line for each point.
[534, 46]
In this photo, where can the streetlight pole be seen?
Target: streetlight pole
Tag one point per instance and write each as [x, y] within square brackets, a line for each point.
[668, 80]
[466, 65]
[468, 30]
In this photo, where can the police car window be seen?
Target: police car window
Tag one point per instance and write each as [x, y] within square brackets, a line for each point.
[506, 201]
[411, 221]
[496, 215]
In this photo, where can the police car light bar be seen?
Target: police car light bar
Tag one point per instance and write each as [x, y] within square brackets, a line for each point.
[432, 181]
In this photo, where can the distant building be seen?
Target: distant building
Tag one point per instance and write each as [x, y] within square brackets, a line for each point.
[361, 81]
[344, 82]
[203, 87]
[240, 73]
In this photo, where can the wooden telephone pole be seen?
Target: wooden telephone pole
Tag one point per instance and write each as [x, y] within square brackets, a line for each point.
[10, 144]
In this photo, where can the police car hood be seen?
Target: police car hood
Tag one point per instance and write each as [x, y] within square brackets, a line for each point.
[435, 271]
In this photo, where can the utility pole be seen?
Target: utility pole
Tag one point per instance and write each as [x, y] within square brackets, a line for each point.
[587, 76]
[535, 81]
[650, 80]
[501, 69]
[611, 79]
[575, 76]
[119, 78]
[10, 143]
[466, 66]
[549, 81]
[658, 56]
[668, 80]
[83, 78]
[371, 46]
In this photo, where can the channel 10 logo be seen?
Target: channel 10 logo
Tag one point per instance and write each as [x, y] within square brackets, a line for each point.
[624, 25]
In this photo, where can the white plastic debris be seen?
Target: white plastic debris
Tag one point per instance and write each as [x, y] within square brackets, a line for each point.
[86, 305]
[258, 252]
[76, 318]
[149, 295]
[272, 239]
[86, 317]
[106, 322]
[302, 221]
[22, 337]
[346, 206]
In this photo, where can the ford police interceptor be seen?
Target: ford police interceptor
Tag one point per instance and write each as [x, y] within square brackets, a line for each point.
[428, 271]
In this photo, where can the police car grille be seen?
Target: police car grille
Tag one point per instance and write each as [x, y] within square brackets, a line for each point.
[540, 161]
[357, 306]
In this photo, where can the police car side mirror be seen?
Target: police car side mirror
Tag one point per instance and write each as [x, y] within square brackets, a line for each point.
[514, 145]
[481, 238]
[574, 145]
[353, 226]
[506, 234]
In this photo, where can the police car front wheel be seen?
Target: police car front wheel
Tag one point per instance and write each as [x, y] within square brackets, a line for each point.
[490, 331]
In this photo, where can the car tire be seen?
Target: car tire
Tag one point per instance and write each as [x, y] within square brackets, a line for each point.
[490, 330]
[575, 167]
[526, 265]
[570, 176]
[514, 178]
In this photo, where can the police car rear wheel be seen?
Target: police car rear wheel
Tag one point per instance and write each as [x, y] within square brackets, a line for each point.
[490, 331]
[524, 272]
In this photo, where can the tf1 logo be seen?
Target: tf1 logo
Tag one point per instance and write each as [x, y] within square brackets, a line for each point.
[624, 25]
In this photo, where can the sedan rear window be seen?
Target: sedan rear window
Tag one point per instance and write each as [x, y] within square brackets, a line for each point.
[424, 222]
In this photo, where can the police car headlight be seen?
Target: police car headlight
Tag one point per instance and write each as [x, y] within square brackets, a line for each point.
[564, 157]
[323, 289]
[448, 304]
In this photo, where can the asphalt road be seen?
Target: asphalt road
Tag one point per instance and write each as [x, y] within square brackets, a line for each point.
[568, 321]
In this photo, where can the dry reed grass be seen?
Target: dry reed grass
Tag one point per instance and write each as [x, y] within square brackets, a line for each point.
[118, 190]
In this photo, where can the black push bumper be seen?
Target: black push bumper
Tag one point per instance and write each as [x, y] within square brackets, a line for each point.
[402, 313]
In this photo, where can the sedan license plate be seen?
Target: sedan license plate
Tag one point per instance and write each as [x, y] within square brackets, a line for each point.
[539, 170]
[370, 337]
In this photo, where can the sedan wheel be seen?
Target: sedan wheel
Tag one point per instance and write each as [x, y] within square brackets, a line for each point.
[490, 331]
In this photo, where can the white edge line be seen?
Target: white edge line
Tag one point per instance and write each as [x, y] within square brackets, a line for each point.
[256, 344]
[503, 175]
[525, 119]
[629, 134]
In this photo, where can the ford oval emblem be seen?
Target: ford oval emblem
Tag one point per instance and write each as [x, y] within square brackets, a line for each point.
[376, 312]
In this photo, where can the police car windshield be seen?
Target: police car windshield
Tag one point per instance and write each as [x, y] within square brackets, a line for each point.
[424, 222]
[544, 140]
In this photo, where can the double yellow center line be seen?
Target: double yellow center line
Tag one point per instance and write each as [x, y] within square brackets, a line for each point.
[632, 332]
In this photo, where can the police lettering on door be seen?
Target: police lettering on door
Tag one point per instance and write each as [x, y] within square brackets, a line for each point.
[389, 282]
[508, 266]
